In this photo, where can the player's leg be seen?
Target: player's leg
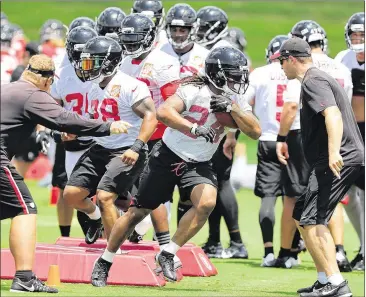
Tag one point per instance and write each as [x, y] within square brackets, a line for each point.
[17, 203]
[268, 188]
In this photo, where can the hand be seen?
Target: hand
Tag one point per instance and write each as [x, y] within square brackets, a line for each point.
[67, 137]
[229, 147]
[282, 152]
[220, 103]
[336, 164]
[119, 127]
[129, 157]
[42, 139]
[202, 131]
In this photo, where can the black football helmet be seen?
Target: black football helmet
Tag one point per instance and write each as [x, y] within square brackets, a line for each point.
[181, 15]
[212, 25]
[309, 31]
[356, 23]
[109, 22]
[99, 59]
[152, 8]
[236, 38]
[227, 69]
[82, 21]
[274, 45]
[4, 18]
[76, 40]
[137, 35]
[52, 29]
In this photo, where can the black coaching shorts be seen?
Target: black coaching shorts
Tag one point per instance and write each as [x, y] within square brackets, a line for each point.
[59, 176]
[295, 175]
[102, 168]
[323, 192]
[15, 198]
[268, 177]
[165, 170]
[30, 151]
[360, 181]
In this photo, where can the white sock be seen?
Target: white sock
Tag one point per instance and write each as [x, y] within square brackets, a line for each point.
[108, 256]
[95, 215]
[336, 279]
[163, 246]
[322, 278]
[119, 252]
[172, 248]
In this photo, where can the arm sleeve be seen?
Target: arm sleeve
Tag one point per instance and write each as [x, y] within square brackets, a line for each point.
[44, 110]
[187, 93]
[318, 94]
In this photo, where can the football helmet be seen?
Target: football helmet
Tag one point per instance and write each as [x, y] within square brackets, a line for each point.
[236, 38]
[152, 8]
[356, 23]
[109, 22]
[309, 31]
[274, 45]
[52, 30]
[99, 59]
[8, 32]
[181, 15]
[227, 69]
[82, 21]
[137, 36]
[4, 18]
[76, 40]
[212, 25]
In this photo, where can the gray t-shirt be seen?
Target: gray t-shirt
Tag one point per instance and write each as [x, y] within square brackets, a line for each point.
[318, 92]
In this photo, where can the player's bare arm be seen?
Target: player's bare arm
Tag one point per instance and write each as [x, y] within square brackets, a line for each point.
[246, 121]
[145, 109]
[334, 125]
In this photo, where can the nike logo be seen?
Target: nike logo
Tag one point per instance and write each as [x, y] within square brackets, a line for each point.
[134, 89]
[330, 292]
[30, 289]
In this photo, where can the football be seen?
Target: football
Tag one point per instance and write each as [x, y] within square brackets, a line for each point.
[225, 119]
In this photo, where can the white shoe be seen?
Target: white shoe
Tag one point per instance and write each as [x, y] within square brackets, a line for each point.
[268, 261]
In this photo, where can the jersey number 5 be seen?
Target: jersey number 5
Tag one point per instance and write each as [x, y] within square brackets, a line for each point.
[279, 101]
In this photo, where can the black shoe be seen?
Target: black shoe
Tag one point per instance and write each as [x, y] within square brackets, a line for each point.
[166, 262]
[358, 262]
[33, 285]
[213, 249]
[235, 251]
[342, 261]
[100, 272]
[283, 262]
[135, 237]
[342, 290]
[316, 286]
[95, 227]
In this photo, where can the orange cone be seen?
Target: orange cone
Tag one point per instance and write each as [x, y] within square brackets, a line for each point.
[53, 279]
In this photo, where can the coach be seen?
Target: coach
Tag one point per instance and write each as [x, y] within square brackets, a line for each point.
[334, 150]
[24, 104]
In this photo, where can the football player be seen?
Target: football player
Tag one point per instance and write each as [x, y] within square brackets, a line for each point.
[158, 71]
[109, 22]
[111, 166]
[183, 156]
[354, 59]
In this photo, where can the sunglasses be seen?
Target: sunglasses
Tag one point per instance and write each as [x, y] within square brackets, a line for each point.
[282, 59]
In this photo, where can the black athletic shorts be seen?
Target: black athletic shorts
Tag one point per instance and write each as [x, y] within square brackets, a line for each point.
[360, 181]
[59, 176]
[103, 169]
[324, 191]
[268, 177]
[30, 151]
[165, 170]
[15, 198]
[295, 175]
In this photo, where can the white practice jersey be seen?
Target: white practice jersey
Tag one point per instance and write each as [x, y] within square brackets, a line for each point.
[335, 69]
[64, 61]
[187, 146]
[8, 64]
[192, 62]
[349, 59]
[268, 84]
[73, 93]
[58, 57]
[114, 103]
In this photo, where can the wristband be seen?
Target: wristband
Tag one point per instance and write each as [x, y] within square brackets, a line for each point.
[281, 138]
[137, 146]
[193, 129]
[56, 135]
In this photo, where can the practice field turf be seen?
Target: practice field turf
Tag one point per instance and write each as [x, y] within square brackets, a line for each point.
[261, 21]
[235, 278]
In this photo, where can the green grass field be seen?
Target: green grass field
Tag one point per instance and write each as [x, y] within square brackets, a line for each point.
[235, 278]
[261, 21]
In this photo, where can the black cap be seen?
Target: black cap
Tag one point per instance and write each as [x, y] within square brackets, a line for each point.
[295, 47]
[33, 48]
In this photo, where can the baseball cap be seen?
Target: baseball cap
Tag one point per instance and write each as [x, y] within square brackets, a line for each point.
[295, 47]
